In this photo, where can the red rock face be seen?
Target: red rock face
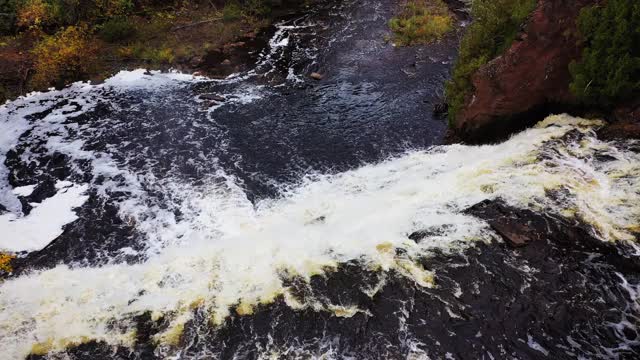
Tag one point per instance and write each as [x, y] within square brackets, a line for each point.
[532, 76]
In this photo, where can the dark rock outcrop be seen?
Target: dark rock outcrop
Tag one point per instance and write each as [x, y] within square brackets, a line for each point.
[627, 125]
[621, 130]
[520, 227]
[530, 80]
[516, 227]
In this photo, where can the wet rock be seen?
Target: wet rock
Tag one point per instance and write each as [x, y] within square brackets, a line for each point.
[520, 227]
[42, 169]
[620, 130]
[629, 111]
[460, 8]
[42, 191]
[419, 235]
[627, 124]
[440, 109]
[318, 220]
[94, 350]
[234, 57]
[3, 210]
[516, 227]
[316, 76]
[196, 61]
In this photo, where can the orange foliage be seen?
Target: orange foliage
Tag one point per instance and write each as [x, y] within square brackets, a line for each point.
[33, 13]
[65, 56]
[5, 262]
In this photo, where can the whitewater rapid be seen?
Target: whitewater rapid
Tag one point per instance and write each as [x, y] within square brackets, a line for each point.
[226, 254]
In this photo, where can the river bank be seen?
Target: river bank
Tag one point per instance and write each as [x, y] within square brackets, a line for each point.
[190, 36]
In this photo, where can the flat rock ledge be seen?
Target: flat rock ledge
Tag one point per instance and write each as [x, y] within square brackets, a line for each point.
[521, 227]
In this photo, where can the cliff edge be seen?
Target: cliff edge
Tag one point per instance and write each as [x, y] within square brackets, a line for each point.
[531, 78]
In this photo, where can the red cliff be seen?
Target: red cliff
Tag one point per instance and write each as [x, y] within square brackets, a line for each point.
[530, 79]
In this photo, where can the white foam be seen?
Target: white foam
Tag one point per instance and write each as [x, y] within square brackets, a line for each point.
[44, 223]
[10, 132]
[149, 79]
[24, 190]
[228, 252]
[536, 346]
[242, 96]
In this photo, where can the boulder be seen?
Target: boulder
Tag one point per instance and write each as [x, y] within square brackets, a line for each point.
[440, 109]
[316, 76]
[420, 235]
[195, 61]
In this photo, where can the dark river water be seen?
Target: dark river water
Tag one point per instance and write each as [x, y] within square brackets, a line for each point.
[269, 215]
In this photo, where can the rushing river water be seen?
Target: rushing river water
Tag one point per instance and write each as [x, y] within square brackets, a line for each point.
[153, 222]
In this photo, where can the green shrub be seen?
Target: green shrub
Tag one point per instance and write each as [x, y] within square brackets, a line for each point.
[496, 24]
[117, 29]
[260, 8]
[33, 13]
[609, 70]
[60, 13]
[151, 54]
[421, 21]
[231, 11]
[159, 56]
[7, 16]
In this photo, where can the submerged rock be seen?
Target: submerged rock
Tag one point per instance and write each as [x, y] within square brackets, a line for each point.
[440, 109]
